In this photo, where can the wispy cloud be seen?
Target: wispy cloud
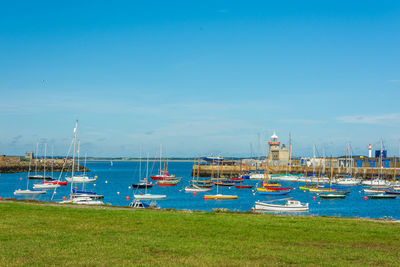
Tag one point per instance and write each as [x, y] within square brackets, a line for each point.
[394, 81]
[383, 119]
[304, 121]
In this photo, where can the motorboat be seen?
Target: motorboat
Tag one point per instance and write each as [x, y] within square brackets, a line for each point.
[137, 204]
[289, 206]
[142, 185]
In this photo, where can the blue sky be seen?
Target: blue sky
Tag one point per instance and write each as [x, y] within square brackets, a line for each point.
[201, 77]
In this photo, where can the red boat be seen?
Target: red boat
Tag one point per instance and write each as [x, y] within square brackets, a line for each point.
[54, 182]
[243, 186]
[278, 188]
[162, 176]
[236, 179]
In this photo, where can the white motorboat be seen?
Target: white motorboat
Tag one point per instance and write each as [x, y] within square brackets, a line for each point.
[289, 206]
[84, 200]
[46, 186]
[27, 192]
[137, 204]
[149, 196]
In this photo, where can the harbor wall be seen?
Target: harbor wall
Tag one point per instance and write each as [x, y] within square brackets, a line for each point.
[23, 166]
[227, 171]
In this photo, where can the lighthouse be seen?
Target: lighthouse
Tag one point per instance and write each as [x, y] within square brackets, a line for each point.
[370, 147]
[276, 152]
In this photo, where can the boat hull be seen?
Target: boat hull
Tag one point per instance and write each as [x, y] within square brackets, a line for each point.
[149, 196]
[280, 208]
[222, 197]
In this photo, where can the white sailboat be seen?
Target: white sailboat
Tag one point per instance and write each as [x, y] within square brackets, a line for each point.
[147, 195]
[27, 191]
[80, 197]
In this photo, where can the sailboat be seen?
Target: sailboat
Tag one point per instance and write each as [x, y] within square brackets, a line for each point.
[44, 185]
[163, 174]
[270, 189]
[147, 195]
[220, 196]
[332, 193]
[194, 187]
[37, 176]
[80, 197]
[27, 191]
[142, 183]
[81, 177]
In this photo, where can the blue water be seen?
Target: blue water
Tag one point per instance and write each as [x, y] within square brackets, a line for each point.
[120, 176]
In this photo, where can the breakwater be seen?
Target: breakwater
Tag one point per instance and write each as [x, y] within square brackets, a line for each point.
[16, 167]
[227, 171]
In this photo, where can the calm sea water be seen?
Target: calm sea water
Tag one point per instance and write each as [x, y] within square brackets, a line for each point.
[113, 182]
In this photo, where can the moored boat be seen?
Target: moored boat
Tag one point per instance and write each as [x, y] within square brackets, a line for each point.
[168, 182]
[243, 186]
[332, 196]
[382, 196]
[220, 196]
[20, 192]
[289, 206]
[149, 196]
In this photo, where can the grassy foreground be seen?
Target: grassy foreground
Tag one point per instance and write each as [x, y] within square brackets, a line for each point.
[47, 235]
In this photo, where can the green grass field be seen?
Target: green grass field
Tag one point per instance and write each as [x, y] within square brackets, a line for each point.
[40, 235]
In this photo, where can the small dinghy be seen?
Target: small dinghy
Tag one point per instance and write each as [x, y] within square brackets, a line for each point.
[289, 206]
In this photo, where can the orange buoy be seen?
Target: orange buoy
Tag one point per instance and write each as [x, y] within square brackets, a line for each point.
[64, 197]
[75, 187]
[127, 198]
[314, 198]
[365, 198]
[1, 198]
[252, 209]
[194, 193]
[20, 178]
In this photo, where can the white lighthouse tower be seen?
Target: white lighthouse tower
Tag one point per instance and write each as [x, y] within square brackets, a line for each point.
[370, 147]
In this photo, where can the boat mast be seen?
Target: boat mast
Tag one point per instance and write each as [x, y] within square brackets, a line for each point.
[44, 163]
[140, 164]
[147, 172]
[160, 157]
[79, 155]
[73, 157]
[36, 157]
[290, 153]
